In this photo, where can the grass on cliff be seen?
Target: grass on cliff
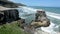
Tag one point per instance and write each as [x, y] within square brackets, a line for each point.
[11, 28]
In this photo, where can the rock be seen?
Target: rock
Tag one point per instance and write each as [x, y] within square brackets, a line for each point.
[21, 23]
[9, 15]
[41, 20]
[1, 18]
[29, 30]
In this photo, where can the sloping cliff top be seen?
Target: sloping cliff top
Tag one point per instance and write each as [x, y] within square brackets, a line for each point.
[10, 4]
[4, 8]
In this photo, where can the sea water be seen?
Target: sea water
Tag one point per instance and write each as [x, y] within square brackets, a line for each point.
[53, 13]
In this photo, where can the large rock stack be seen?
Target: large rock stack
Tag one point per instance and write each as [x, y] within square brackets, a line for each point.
[41, 20]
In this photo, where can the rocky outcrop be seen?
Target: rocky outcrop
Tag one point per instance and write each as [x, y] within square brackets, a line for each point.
[41, 20]
[1, 17]
[6, 13]
[9, 15]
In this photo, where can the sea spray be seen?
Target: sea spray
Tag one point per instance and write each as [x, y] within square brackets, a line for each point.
[50, 29]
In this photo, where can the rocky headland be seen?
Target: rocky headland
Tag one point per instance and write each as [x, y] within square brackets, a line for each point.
[8, 15]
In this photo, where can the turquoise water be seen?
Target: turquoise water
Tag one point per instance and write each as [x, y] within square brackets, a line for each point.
[55, 10]
[50, 9]
[54, 16]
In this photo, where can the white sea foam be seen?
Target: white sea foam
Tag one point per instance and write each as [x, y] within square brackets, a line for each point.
[31, 10]
[50, 14]
[50, 29]
[54, 15]
[52, 26]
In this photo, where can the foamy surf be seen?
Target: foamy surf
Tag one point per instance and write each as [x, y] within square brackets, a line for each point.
[29, 10]
[54, 15]
[50, 29]
[47, 30]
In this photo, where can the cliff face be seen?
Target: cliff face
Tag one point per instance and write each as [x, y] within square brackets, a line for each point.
[9, 16]
[41, 19]
[6, 14]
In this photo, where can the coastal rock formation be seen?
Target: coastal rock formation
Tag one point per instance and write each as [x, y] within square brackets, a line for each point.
[9, 15]
[41, 20]
[1, 17]
[10, 4]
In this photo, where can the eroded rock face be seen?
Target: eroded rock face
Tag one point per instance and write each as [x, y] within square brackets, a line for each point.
[9, 16]
[41, 20]
[1, 17]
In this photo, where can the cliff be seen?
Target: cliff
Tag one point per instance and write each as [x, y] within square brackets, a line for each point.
[10, 15]
[10, 4]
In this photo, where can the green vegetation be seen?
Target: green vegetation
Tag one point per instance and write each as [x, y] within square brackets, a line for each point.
[11, 28]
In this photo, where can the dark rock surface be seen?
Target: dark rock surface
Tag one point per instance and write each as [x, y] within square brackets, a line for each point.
[9, 15]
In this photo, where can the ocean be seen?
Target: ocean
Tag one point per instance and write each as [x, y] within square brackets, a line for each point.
[53, 13]
[50, 9]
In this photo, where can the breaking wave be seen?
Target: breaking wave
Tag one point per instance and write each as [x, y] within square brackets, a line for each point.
[54, 15]
[49, 29]
[52, 26]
